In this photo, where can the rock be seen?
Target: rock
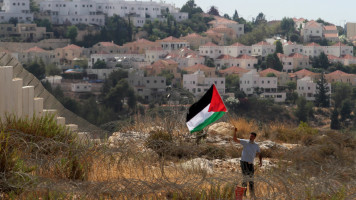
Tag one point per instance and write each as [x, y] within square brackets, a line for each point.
[269, 145]
[221, 128]
[198, 165]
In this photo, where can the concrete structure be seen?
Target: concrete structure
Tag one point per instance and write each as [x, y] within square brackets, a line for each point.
[36, 54]
[20, 100]
[93, 11]
[312, 31]
[350, 29]
[195, 40]
[290, 47]
[263, 49]
[211, 50]
[299, 24]
[26, 32]
[81, 87]
[237, 49]
[306, 87]
[171, 43]
[18, 9]
[265, 87]
[331, 33]
[293, 61]
[341, 77]
[150, 88]
[208, 71]
[198, 84]
[126, 60]
[155, 53]
[223, 22]
[140, 46]
[185, 57]
[100, 74]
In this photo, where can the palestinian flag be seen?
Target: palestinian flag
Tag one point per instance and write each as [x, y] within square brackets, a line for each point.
[206, 111]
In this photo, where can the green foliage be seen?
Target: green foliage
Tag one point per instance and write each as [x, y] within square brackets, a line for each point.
[294, 37]
[270, 75]
[13, 21]
[292, 97]
[232, 83]
[291, 85]
[287, 25]
[37, 68]
[72, 33]
[319, 20]
[235, 17]
[279, 47]
[44, 23]
[302, 110]
[273, 62]
[169, 76]
[340, 92]
[52, 70]
[113, 79]
[114, 99]
[335, 123]
[213, 11]
[346, 109]
[34, 8]
[260, 19]
[99, 64]
[209, 62]
[258, 33]
[322, 98]
[191, 8]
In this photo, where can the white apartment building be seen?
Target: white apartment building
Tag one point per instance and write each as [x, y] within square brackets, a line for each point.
[263, 49]
[338, 50]
[186, 58]
[243, 61]
[149, 88]
[237, 49]
[155, 53]
[312, 31]
[81, 87]
[220, 21]
[18, 9]
[73, 12]
[171, 43]
[115, 58]
[198, 84]
[307, 88]
[290, 47]
[251, 82]
[92, 11]
[293, 61]
[211, 50]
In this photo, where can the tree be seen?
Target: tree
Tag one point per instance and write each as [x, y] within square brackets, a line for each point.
[279, 47]
[169, 76]
[235, 17]
[34, 7]
[209, 62]
[72, 33]
[114, 77]
[99, 64]
[346, 109]
[226, 16]
[301, 112]
[287, 25]
[191, 8]
[272, 61]
[260, 19]
[321, 62]
[322, 98]
[340, 92]
[294, 37]
[13, 21]
[37, 68]
[115, 98]
[44, 23]
[232, 82]
[213, 11]
[335, 123]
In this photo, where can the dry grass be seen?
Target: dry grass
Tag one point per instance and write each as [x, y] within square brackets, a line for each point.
[128, 172]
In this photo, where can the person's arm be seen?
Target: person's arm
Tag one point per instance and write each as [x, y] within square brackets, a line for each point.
[235, 137]
[260, 157]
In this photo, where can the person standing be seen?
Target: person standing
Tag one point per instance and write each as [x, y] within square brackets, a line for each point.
[249, 151]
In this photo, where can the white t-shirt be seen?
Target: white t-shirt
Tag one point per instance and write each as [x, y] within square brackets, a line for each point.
[249, 151]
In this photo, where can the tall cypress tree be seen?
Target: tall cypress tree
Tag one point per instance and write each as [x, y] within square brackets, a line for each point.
[322, 98]
[335, 123]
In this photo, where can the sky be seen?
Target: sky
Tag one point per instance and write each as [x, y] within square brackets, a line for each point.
[337, 12]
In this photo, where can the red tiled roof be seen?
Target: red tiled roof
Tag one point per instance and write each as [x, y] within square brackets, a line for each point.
[313, 44]
[281, 55]
[35, 49]
[108, 44]
[222, 20]
[164, 63]
[348, 56]
[234, 70]
[237, 45]
[262, 43]
[245, 56]
[298, 55]
[193, 35]
[155, 48]
[331, 35]
[210, 44]
[197, 67]
[304, 72]
[269, 70]
[338, 73]
[339, 44]
[332, 57]
[225, 57]
[330, 28]
[313, 23]
[72, 46]
[172, 39]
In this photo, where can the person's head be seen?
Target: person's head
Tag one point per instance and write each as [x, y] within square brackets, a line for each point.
[253, 136]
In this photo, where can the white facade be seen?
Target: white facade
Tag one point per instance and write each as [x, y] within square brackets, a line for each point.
[237, 50]
[92, 11]
[19, 9]
[289, 48]
[312, 31]
[101, 74]
[115, 58]
[81, 87]
[152, 55]
[211, 50]
[73, 12]
[266, 87]
[263, 49]
[198, 84]
[307, 88]
[149, 88]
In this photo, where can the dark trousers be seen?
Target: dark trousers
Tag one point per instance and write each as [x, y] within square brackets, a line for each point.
[247, 172]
